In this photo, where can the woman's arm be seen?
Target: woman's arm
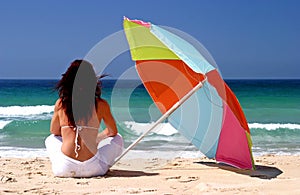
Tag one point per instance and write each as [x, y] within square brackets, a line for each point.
[104, 113]
[55, 124]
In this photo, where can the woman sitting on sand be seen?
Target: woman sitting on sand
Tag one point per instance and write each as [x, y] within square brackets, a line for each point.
[75, 147]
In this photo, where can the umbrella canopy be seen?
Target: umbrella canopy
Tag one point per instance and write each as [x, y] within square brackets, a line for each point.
[211, 118]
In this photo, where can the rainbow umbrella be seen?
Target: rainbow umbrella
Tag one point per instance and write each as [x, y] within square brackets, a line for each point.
[190, 92]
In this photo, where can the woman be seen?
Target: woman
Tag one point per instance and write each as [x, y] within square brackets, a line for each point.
[75, 147]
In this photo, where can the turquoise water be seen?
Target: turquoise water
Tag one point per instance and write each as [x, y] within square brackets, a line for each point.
[272, 108]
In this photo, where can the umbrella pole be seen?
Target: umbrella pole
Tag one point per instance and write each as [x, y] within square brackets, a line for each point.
[162, 118]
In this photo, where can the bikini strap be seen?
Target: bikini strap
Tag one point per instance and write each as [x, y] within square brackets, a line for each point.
[86, 127]
[77, 129]
[77, 146]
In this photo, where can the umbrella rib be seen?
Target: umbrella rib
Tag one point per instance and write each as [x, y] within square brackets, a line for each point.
[162, 118]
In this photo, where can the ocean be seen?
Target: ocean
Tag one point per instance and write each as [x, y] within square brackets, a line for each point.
[272, 108]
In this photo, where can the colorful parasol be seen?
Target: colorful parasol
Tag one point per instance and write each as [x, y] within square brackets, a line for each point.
[189, 91]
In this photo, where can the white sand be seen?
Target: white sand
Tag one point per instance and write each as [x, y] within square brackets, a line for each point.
[274, 175]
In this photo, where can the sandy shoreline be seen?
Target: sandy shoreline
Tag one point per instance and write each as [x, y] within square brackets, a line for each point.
[274, 175]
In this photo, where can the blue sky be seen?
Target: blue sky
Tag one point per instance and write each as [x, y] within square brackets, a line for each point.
[248, 39]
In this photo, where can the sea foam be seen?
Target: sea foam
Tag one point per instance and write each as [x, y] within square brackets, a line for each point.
[18, 152]
[162, 129]
[23, 111]
[4, 123]
[166, 129]
[274, 126]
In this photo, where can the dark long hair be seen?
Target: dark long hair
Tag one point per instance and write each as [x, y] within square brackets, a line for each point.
[78, 89]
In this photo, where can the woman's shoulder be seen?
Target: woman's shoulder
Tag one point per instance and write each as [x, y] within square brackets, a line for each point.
[103, 105]
[57, 104]
[58, 101]
[102, 102]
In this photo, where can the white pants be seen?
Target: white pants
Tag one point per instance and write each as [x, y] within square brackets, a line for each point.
[63, 166]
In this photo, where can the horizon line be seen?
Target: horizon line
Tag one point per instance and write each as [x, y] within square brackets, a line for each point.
[226, 78]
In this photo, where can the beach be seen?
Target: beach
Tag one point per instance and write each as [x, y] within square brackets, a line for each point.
[274, 174]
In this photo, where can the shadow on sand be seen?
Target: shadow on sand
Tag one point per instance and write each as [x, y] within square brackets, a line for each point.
[128, 173]
[262, 172]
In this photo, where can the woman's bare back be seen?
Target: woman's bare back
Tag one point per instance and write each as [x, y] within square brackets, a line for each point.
[87, 133]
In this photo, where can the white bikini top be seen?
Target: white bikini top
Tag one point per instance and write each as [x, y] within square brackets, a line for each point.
[78, 128]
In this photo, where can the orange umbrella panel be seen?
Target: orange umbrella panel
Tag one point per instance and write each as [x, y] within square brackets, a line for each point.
[167, 81]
